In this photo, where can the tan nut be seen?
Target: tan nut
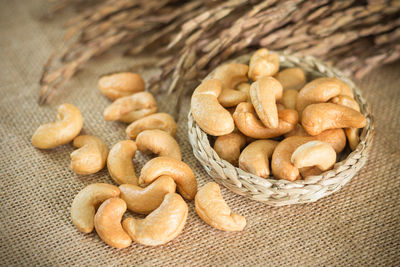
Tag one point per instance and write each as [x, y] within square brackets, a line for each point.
[314, 153]
[245, 88]
[255, 157]
[145, 200]
[214, 211]
[228, 146]
[321, 90]
[161, 121]
[119, 162]
[263, 95]
[291, 78]
[107, 222]
[131, 108]
[289, 98]
[90, 157]
[323, 116]
[162, 225]
[208, 112]
[263, 63]
[64, 130]
[177, 170]
[158, 142]
[83, 206]
[121, 84]
[247, 122]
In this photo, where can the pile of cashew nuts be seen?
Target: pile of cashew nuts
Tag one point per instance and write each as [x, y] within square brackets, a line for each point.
[258, 113]
[102, 206]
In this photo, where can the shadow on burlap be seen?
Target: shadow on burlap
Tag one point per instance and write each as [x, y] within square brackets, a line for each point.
[357, 225]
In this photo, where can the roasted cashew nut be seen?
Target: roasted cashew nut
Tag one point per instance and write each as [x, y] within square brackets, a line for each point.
[263, 63]
[289, 98]
[122, 84]
[145, 200]
[119, 162]
[314, 153]
[247, 122]
[208, 112]
[64, 130]
[228, 147]
[323, 116]
[245, 88]
[214, 211]
[158, 142]
[255, 157]
[263, 95]
[131, 108]
[291, 78]
[231, 75]
[90, 157]
[162, 225]
[161, 121]
[177, 170]
[321, 90]
[83, 206]
[107, 222]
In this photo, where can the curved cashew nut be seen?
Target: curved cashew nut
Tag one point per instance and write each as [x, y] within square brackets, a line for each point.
[289, 98]
[145, 200]
[83, 206]
[214, 211]
[64, 130]
[263, 94]
[107, 222]
[177, 170]
[90, 157]
[314, 153]
[263, 63]
[245, 88]
[121, 84]
[291, 78]
[119, 162]
[323, 116]
[228, 146]
[208, 112]
[161, 121]
[247, 122]
[131, 108]
[158, 142]
[351, 133]
[321, 90]
[255, 157]
[162, 225]
[231, 75]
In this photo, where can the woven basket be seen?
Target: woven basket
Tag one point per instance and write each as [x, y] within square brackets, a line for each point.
[282, 192]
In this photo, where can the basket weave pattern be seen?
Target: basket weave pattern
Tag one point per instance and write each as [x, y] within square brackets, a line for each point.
[282, 192]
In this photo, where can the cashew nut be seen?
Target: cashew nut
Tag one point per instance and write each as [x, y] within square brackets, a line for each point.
[291, 78]
[322, 116]
[121, 84]
[214, 211]
[244, 87]
[247, 122]
[298, 130]
[314, 153]
[228, 146]
[208, 112]
[231, 75]
[64, 130]
[162, 225]
[107, 222]
[83, 206]
[177, 170]
[263, 95]
[263, 63]
[119, 162]
[90, 157]
[158, 142]
[131, 108]
[161, 121]
[255, 157]
[145, 200]
[289, 98]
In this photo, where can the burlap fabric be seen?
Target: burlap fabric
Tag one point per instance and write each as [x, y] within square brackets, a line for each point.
[359, 225]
